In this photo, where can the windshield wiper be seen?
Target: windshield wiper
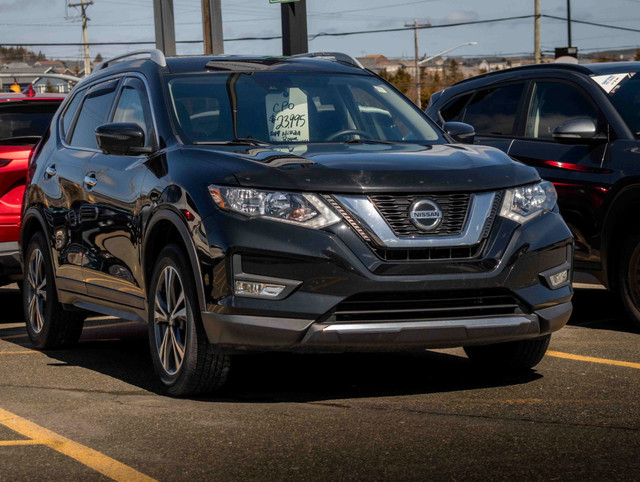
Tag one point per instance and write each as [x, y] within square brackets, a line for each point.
[367, 141]
[241, 141]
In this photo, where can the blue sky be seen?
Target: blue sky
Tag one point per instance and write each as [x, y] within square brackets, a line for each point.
[128, 20]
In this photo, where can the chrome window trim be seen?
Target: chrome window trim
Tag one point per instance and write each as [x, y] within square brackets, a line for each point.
[366, 214]
[123, 77]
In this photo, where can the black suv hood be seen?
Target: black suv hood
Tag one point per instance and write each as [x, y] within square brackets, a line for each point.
[368, 167]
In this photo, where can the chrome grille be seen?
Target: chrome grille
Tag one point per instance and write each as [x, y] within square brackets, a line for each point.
[395, 210]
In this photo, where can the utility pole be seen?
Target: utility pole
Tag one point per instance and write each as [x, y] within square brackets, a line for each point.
[536, 33]
[416, 26]
[85, 36]
[569, 22]
[165, 26]
[212, 27]
[294, 27]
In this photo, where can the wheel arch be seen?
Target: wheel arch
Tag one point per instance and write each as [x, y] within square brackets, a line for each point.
[167, 226]
[32, 222]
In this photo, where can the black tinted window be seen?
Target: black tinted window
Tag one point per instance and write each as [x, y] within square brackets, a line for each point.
[70, 113]
[94, 112]
[554, 103]
[493, 111]
[453, 110]
[133, 106]
[21, 120]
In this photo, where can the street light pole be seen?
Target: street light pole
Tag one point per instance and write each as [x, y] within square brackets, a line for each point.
[569, 22]
[537, 57]
[446, 52]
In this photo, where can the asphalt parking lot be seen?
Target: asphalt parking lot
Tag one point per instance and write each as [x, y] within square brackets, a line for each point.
[94, 412]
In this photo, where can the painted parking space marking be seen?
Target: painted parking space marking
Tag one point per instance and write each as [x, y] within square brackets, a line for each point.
[590, 359]
[93, 459]
[18, 352]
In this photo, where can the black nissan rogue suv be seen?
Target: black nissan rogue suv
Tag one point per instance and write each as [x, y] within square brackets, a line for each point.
[579, 125]
[238, 204]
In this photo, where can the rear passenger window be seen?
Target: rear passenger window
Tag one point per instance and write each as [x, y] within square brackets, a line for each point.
[555, 103]
[70, 113]
[453, 110]
[94, 112]
[493, 111]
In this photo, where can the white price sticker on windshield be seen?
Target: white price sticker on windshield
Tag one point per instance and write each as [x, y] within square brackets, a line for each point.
[610, 81]
[288, 116]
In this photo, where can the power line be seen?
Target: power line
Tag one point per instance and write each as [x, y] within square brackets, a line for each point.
[594, 24]
[324, 34]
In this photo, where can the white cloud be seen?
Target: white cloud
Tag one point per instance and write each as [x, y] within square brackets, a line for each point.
[458, 16]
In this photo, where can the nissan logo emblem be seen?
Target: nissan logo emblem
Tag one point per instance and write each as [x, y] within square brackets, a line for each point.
[425, 214]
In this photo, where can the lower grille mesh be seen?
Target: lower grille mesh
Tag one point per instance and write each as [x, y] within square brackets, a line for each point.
[376, 307]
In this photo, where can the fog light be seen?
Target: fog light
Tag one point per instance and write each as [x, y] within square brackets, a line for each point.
[252, 288]
[559, 278]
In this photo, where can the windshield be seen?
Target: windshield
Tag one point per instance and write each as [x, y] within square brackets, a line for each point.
[25, 120]
[624, 92]
[287, 107]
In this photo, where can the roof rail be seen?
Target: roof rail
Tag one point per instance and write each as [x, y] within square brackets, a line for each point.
[553, 65]
[156, 56]
[336, 56]
[37, 75]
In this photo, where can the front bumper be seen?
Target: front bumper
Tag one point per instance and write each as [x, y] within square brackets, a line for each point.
[252, 332]
[331, 267]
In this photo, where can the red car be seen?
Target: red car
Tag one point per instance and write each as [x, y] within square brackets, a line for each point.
[24, 118]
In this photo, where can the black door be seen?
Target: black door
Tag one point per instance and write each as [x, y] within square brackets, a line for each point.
[62, 181]
[579, 171]
[110, 218]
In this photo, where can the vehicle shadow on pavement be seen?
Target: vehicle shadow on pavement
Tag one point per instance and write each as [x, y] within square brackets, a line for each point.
[600, 310]
[303, 378]
[279, 377]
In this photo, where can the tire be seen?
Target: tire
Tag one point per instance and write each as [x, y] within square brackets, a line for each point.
[48, 324]
[512, 356]
[629, 278]
[182, 357]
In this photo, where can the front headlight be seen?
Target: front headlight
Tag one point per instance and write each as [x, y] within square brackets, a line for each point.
[302, 209]
[526, 202]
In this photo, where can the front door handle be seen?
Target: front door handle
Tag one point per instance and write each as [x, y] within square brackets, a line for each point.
[90, 180]
[50, 171]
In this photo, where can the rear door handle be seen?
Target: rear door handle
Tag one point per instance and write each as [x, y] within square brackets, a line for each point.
[90, 180]
[50, 171]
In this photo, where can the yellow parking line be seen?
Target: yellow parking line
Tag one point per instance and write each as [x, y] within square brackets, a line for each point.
[11, 337]
[18, 352]
[604, 361]
[86, 456]
[9, 443]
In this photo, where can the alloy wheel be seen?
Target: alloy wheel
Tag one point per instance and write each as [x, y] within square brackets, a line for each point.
[170, 320]
[37, 290]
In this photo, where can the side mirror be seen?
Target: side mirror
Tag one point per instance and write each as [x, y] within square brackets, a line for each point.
[577, 131]
[121, 139]
[460, 132]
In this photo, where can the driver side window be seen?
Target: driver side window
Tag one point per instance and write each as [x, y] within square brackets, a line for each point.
[554, 103]
[133, 106]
